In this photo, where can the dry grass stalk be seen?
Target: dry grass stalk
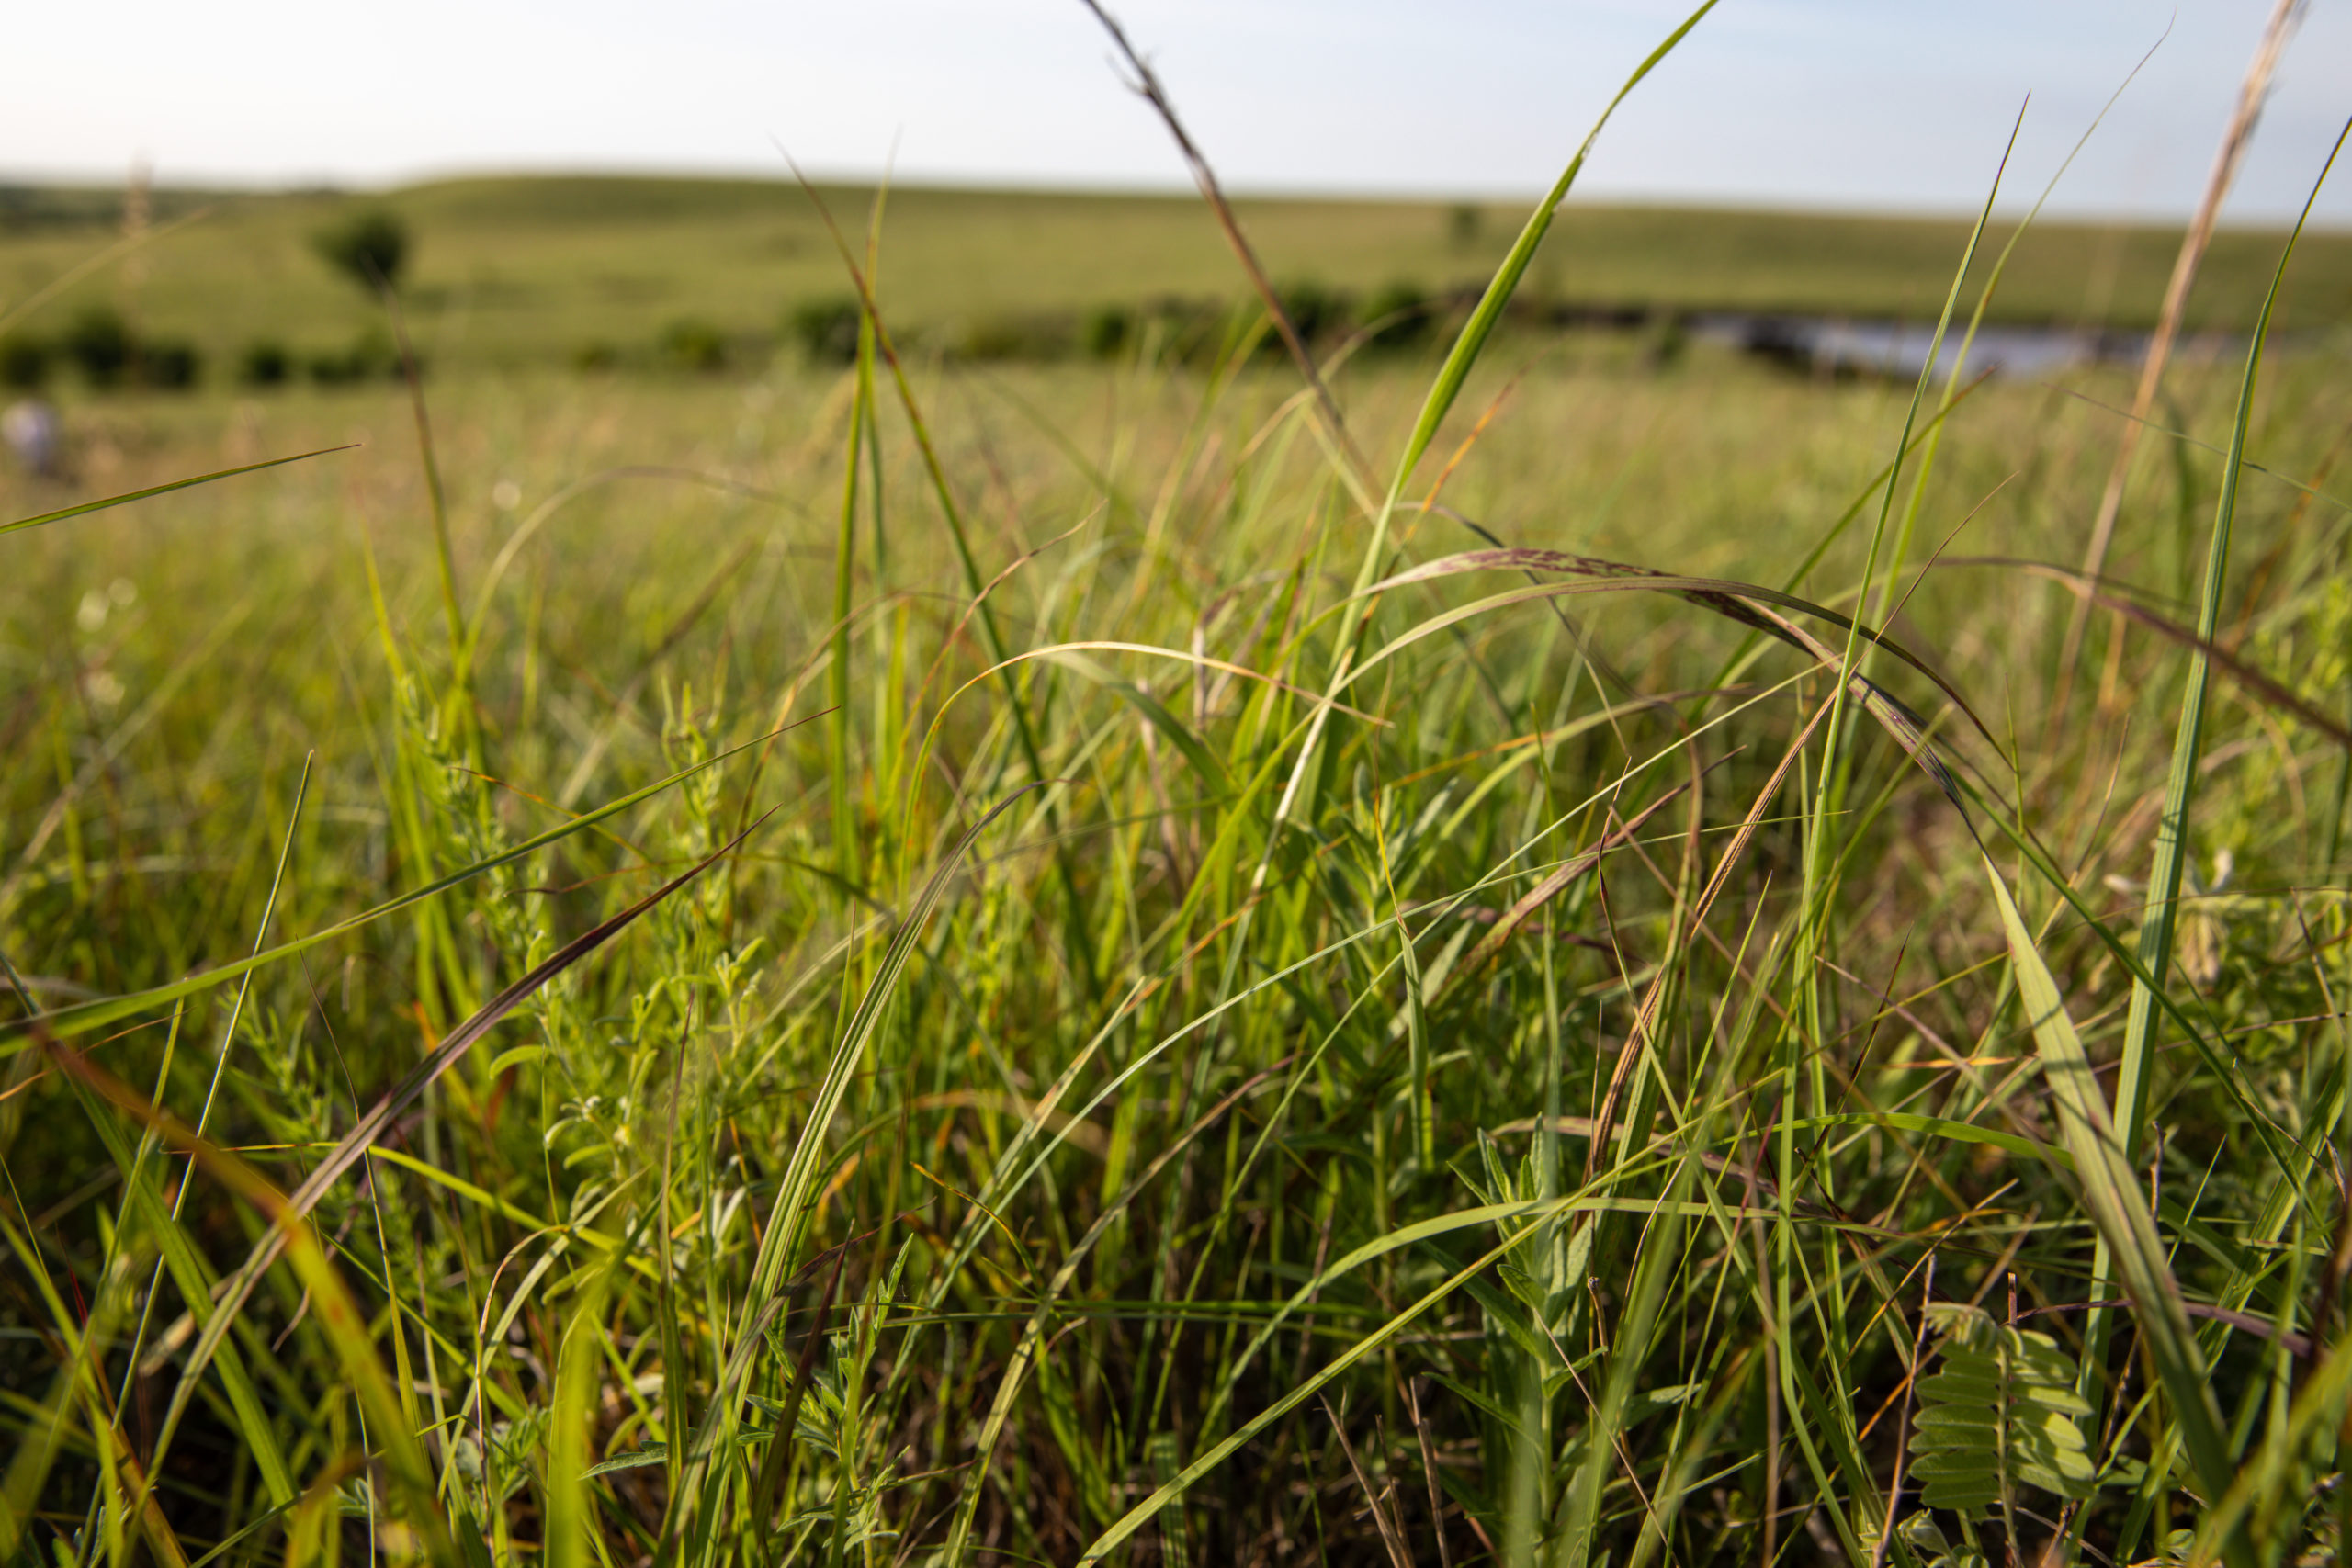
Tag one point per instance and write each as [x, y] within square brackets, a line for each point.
[2235, 138]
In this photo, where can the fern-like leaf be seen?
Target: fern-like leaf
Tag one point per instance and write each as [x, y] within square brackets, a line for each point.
[2002, 1410]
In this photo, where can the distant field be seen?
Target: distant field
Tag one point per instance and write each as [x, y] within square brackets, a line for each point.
[522, 271]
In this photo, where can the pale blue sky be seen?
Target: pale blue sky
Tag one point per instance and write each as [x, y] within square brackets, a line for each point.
[1853, 103]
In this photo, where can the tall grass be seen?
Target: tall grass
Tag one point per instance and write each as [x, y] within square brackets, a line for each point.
[1037, 972]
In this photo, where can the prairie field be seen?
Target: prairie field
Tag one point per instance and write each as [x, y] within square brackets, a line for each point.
[538, 273]
[1593, 951]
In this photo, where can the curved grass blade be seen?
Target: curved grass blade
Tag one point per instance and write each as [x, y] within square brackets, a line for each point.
[1198, 660]
[1942, 1127]
[1155, 712]
[1723, 595]
[1500, 289]
[1906, 729]
[1468, 346]
[2262, 686]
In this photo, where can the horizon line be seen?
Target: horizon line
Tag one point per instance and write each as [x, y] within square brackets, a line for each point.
[1173, 189]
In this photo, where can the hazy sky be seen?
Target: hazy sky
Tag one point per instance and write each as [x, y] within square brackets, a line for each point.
[1878, 103]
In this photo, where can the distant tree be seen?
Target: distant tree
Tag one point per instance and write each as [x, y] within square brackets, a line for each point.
[266, 362]
[98, 342]
[1106, 332]
[24, 363]
[1316, 311]
[334, 367]
[693, 345]
[371, 355]
[826, 330]
[369, 247]
[173, 364]
[1399, 316]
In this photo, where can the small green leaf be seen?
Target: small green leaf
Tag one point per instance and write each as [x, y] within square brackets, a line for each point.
[515, 1057]
[2000, 1413]
[1656, 1400]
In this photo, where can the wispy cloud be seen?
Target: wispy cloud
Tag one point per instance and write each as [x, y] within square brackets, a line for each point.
[1843, 102]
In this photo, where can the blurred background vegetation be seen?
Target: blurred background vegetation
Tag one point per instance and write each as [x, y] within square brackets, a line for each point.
[604, 273]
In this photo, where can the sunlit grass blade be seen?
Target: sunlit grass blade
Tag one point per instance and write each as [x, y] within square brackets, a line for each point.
[1471, 342]
[570, 1505]
[2171, 857]
[2110, 1190]
[87, 507]
[330, 1302]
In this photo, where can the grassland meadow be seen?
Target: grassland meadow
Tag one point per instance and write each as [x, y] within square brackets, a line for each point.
[1130, 931]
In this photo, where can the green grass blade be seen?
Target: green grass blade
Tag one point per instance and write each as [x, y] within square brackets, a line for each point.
[193, 1278]
[796, 1190]
[847, 861]
[1447, 386]
[337, 1312]
[2112, 1192]
[87, 507]
[82, 1017]
[354, 1145]
[1488, 314]
[570, 1505]
[2156, 929]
